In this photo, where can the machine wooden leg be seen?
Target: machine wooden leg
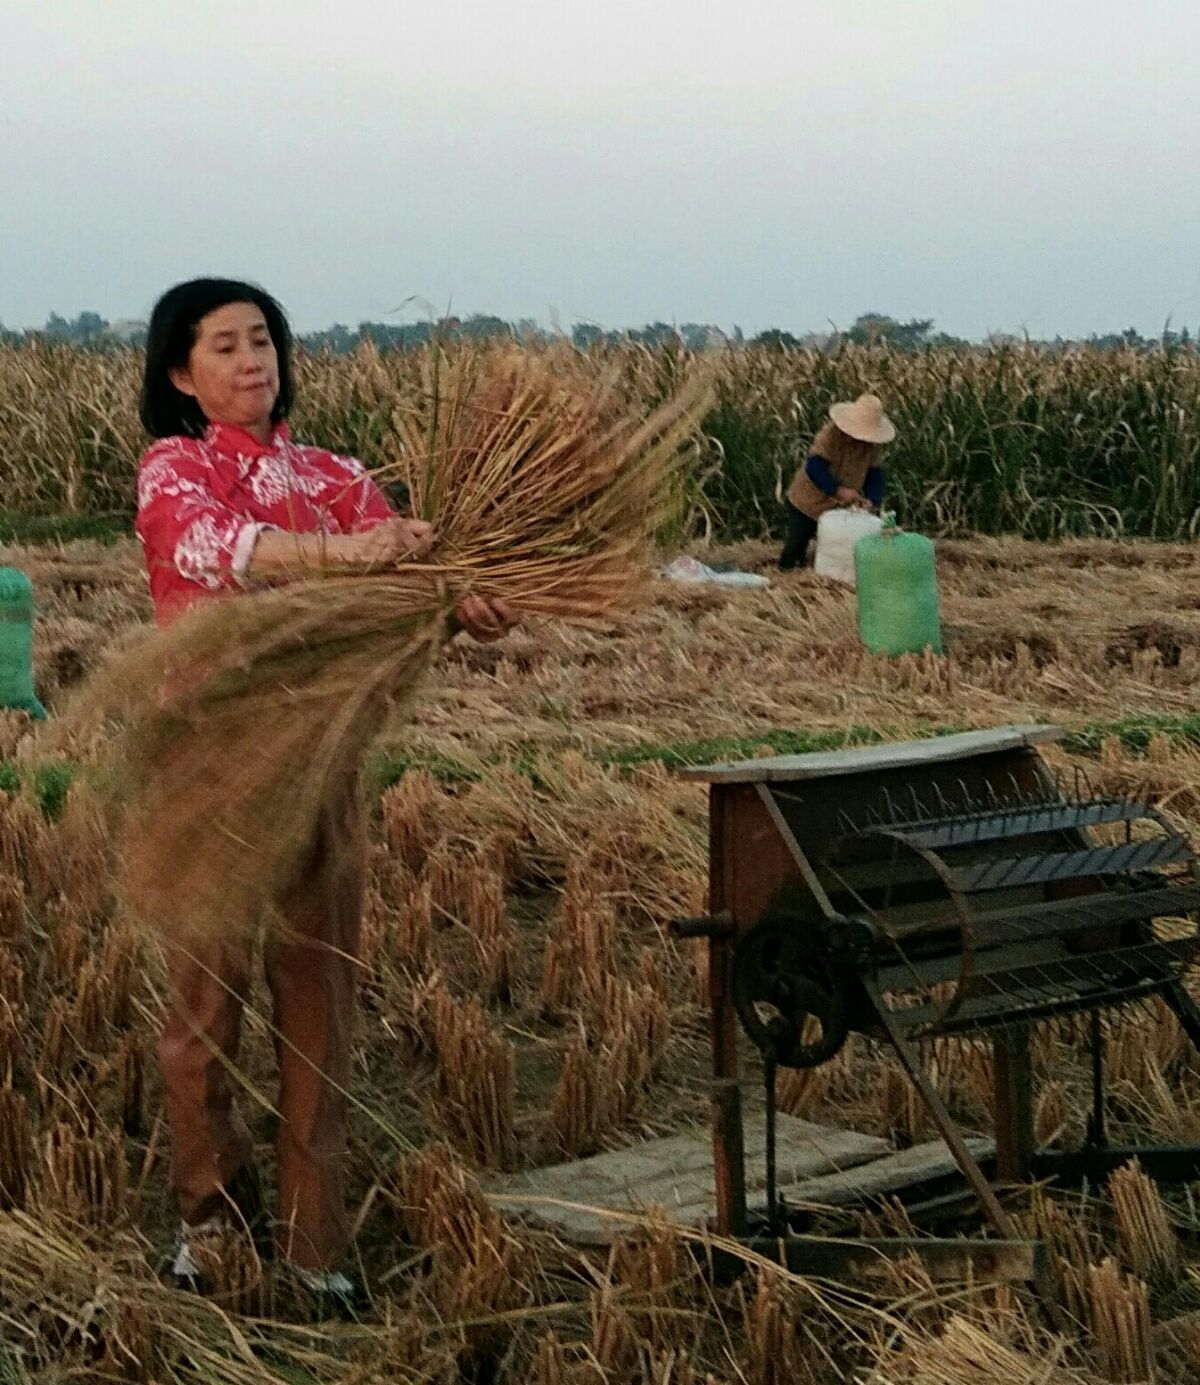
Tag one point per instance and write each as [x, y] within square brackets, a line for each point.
[1013, 1108]
[729, 1158]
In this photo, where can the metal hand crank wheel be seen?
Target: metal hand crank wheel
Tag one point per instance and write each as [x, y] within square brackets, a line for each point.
[778, 986]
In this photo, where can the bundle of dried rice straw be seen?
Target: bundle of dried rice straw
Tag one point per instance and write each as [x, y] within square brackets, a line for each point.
[242, 718]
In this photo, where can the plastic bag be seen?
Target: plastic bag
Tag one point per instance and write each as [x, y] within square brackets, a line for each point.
[685, 569]
[898, 608]
[16, 643]
[838, 532]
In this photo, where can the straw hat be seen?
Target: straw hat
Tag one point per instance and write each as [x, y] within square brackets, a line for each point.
[864, 419]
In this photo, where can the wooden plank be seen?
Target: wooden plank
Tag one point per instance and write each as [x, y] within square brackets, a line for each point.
[946, 1260]
[674, 1174]
[920, 1164]
[691, 1196]
[871, 759]
[799, 1142]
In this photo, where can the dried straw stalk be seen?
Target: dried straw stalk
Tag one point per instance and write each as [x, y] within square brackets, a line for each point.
[1149, 1245]
[980, 1351]
[247, 715]
[16, 1148]
[476, 1078]
[1119, 1319]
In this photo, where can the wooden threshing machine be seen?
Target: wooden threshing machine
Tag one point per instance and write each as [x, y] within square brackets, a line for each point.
[954, 886]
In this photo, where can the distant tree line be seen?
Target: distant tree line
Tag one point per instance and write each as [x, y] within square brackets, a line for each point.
[90, 331]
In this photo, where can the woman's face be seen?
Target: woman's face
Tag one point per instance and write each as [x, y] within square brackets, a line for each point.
[232, 370]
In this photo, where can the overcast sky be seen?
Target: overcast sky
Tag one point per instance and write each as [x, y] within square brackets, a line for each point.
[994, 164]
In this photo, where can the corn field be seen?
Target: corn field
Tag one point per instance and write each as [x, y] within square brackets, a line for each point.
[1015, 439]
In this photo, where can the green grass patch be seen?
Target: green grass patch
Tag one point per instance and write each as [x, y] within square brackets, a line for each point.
[679, 754]
[383, 769]
[104, 528]
[51, 780]
[1135, 733]
[387, 768]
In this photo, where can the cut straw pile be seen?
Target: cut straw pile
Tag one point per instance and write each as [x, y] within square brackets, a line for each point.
[247, 715]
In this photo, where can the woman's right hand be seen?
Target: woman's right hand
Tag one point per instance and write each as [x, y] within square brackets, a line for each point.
[846, 496]
[391, 541]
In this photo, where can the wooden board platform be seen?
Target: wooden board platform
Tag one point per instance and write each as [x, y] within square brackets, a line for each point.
[588, 1201]
[903, 1169]
[872, 759]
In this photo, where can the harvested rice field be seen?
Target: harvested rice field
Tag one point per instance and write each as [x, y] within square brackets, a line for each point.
[522, 1004]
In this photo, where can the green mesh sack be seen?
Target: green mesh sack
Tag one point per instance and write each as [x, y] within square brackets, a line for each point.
[897, 592]
[16, 643]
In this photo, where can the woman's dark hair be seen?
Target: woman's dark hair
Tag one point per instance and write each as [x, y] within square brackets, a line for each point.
[167, 411]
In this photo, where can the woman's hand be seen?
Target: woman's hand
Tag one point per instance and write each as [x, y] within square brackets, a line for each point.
[484, 620]
[846, 496]
[390, 541]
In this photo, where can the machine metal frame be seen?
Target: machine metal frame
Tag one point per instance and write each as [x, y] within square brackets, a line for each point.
[948, 887]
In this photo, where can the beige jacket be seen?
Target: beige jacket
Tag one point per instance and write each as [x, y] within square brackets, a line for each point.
[811, 500]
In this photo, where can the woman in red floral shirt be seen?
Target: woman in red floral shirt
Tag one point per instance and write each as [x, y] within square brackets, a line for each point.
[226, 499]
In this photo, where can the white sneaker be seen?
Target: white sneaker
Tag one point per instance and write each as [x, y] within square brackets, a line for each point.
[326, 1282]
[333, 1292]
[185, 1268]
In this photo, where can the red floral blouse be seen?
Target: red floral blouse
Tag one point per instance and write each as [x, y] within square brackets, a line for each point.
[202, 503]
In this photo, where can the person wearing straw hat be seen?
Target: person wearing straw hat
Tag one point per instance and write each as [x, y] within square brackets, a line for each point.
[842, 467]
[227, 500]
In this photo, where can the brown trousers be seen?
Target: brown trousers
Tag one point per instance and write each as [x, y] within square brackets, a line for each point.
[310, 963]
